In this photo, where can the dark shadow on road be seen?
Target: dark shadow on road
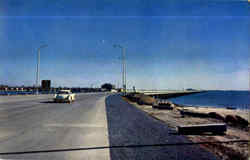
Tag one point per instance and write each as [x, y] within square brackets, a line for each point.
[47, 102]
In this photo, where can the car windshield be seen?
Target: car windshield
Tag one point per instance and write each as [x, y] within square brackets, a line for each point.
[62, 92]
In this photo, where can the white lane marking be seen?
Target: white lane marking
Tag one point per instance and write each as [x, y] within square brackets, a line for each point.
[81, 125]
[6, 133]
[12, 159]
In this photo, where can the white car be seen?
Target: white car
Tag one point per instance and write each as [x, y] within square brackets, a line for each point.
[64, 96]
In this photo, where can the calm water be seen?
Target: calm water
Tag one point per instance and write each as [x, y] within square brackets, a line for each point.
[223, 99]
[21, 92]
[25, 92]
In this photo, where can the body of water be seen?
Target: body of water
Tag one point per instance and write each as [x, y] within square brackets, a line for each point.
[22, 92]
[26, 92]
[223, 99]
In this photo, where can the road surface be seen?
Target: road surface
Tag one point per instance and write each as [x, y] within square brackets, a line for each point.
[94, 120]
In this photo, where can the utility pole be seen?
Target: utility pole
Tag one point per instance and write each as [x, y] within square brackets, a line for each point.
[124, 71]
[38, 67]
[123, 67]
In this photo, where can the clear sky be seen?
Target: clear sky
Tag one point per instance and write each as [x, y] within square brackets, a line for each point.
[172, 44]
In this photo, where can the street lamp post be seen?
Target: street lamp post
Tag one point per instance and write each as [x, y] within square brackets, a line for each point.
[38, 67]
[123, 67]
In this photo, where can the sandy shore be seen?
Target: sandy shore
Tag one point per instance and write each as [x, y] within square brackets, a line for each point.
[223, 111]
[224, 151]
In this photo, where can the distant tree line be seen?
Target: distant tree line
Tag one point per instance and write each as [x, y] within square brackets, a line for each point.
[108, 86]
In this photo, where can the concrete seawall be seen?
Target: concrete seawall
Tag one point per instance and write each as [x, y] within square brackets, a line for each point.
[172, 94]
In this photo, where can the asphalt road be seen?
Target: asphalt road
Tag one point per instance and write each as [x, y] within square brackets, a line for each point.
[34, 123]
[37, 124]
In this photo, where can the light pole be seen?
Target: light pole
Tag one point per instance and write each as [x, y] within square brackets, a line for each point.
[123, 66]
[38, 67]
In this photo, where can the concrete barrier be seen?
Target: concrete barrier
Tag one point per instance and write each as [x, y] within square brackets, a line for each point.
[194, 114]
[163, 105]
[198, 129]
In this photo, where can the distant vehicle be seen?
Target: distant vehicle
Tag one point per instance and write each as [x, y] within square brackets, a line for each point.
[64, 96]
[113, 91]
[190, 89]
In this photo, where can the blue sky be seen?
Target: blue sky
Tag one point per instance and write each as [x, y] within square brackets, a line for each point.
[169, 44]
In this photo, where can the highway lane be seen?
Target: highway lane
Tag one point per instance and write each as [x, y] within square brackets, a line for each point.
[22, 98]
[37, 124]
